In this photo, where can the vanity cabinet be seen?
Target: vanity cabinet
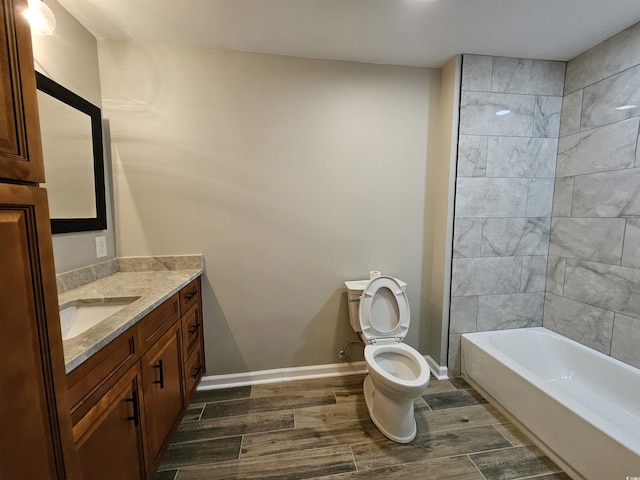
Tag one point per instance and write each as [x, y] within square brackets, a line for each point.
[136, 389]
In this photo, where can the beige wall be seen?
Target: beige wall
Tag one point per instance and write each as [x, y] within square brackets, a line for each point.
[70, 57]
[441, 176]
[290, 175]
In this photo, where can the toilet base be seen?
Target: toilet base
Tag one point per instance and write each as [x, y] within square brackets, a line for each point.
[393, 417]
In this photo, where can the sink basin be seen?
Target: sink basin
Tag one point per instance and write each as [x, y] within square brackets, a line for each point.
[78, 316]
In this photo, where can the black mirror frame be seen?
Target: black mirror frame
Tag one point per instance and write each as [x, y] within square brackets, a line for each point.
[99, 222]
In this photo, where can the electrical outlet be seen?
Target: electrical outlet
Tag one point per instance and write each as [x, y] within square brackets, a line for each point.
[101, 246]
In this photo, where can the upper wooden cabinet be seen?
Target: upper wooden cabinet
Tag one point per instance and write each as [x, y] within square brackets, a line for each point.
[20, 143]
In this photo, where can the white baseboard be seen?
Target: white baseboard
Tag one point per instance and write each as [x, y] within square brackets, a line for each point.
[212, 382]
[441, 373]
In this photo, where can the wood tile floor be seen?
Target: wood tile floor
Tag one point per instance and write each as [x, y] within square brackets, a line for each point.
[320, 429]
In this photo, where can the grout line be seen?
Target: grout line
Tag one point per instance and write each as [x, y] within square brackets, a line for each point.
[200, 440]
[502, 434]
[355, 464]
[624, 237]
[542, 475]
[476, 466]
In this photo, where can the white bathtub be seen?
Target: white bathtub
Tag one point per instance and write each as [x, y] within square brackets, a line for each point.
[581, 406]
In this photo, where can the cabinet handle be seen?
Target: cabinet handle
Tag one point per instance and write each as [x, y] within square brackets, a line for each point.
[190, 295]
[136, 413]
[161, 381]
[194, 329]
[195, 375]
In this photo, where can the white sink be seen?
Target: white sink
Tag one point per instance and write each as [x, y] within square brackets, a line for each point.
[77, 317]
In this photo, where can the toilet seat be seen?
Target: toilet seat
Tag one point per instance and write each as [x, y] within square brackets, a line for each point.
[404, 374]
[384, 311]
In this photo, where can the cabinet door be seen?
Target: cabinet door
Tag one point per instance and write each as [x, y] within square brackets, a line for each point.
[163, 397]
[110, 444]
[20, 144]
[35, 425]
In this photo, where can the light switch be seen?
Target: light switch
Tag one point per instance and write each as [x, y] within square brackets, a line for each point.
[101, 246]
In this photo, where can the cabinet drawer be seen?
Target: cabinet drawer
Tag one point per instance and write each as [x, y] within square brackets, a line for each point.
[189, 296]
[91, 379]
[193, 370]
[191, 329]
[158, 321]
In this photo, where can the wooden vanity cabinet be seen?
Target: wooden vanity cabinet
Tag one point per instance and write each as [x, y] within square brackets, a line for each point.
[136, 388]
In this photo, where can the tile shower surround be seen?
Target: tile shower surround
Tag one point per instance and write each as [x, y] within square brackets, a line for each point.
[593, 277]
[528, 220]
[504, 194]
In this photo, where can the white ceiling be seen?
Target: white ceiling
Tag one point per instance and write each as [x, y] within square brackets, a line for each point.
[400, 32]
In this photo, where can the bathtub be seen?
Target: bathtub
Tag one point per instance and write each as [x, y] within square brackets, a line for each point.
[580, 406]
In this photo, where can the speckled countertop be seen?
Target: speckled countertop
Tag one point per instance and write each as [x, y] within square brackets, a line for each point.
[153, 279]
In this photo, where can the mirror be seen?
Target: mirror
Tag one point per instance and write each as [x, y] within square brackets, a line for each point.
[71, 129]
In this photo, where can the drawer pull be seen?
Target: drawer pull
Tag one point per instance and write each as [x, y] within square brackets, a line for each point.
[160, 367]
[190, 295]
[193, 330]
[195, 375]
[136, 412]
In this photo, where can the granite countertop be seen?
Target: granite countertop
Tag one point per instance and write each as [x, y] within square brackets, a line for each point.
[153, 286]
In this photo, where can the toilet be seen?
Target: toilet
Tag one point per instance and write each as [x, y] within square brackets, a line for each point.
[398, 374]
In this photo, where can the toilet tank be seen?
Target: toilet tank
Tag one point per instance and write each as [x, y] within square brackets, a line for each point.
[354, 292]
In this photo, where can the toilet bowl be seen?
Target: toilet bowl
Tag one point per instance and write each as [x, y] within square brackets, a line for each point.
[398, 374]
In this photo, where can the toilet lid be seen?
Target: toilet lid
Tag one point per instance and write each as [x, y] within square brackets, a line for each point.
[384, 311]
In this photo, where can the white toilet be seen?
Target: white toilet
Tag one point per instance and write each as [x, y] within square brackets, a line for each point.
[398, 374]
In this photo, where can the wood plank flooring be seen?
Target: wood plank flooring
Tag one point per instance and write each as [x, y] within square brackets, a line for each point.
[320, 429]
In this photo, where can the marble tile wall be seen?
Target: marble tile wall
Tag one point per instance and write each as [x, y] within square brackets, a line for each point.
[508, 141]
[593, 274]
